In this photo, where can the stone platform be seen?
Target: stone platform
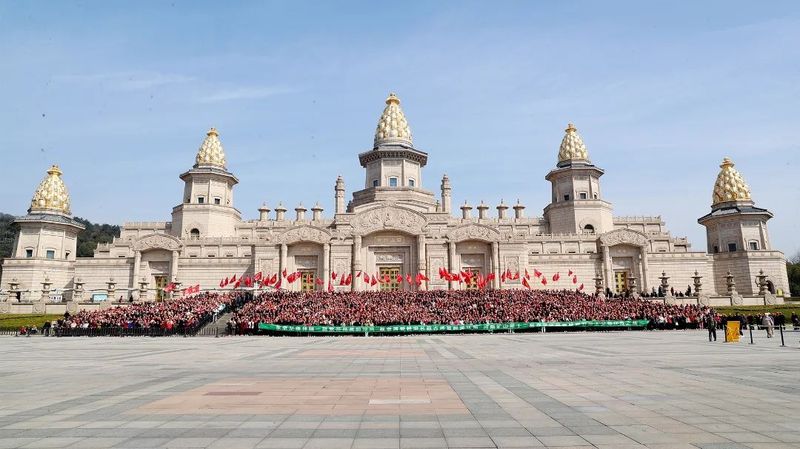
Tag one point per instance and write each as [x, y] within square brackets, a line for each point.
[603, 390]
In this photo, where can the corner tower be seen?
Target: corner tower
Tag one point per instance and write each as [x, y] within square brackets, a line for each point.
[577, 204]
[46, 244]
[394, 166]
[207, 209]
[737, 235]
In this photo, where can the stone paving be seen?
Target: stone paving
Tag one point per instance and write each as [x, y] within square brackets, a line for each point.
[604, 390]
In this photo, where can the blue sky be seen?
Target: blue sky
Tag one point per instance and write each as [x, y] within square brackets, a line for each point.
[120, 94]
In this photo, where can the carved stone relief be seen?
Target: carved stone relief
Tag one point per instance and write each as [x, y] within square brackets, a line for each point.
[388, 218]
[304, 234]
[474, 232]
[472, 260]
[623, 237]
[309, 262]
[157, 241]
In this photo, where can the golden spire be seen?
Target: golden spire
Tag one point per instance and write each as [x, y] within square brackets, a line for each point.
[51, 195]
[730, 185]
[211, 151]
[392, 127]
[572, 147]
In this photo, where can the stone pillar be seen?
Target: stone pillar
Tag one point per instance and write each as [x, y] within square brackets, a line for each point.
[137, 264]
[422, 264]
[501, 210]
[111, 289]
[77, 290]
[173, 266]
[466, 211]
[645, 270]
[482, 208]
[326, 265]
[451, 263]
[301, 212]
[316, 212]
[282, 259]
[356, 261]
[339, 199]
[761, 282]
[46, 289]
[280, 212]
[446, 190]
[607, 265]
[496, 264]
[519, 210]
[263, 212]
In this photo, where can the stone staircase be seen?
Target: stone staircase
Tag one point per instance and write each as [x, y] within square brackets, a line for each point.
[215, 328]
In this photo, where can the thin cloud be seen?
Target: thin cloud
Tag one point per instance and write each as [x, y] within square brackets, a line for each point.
[133, 80]
[246, 93]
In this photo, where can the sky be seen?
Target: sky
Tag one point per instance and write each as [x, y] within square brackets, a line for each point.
[120, 95]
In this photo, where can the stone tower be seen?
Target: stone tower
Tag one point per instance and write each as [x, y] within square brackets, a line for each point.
[46, 244]
[394, 166]
[207, 208]
[577, 204]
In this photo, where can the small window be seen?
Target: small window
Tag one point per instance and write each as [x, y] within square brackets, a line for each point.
[588, 228]
[201, 199]
[595, 196]
[411, 182]
[716, 249]
[66, 255]
[194, 233]
[374, 183]
[731, 247]
[754, 245]
[566, 197]
[584, 195]
[228, 255]
[28, 253]
[392, 182]
[212, 255]
[51, 254]
[217, 201]
[192, 255]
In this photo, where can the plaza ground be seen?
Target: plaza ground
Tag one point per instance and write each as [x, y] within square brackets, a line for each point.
[606, 390]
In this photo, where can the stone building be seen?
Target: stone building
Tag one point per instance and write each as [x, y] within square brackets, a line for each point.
[394, 225]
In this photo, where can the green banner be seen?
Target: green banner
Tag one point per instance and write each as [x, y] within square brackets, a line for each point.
[425, 328]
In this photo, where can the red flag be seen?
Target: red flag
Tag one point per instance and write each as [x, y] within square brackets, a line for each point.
[386, 279]
[341, 279]
[536, 272]
[358, 273]
[221, 283]
[284, 272]
[503, 277]
[544, 280]
[527, 275]
[373, 281]
[273, 279]
[516, 276]
[233, 279]
[574, 279]
[490, 277]
[333, 275]
[526, 284]
[556, 277]
[399, 278]
[508, 273]
[237, 284]
[408, 279]
[580, 288]
[441, 273]
[290, 278]
[569, 273]
[349, 279]
[319, 281]
[258, 276]
[330, 286]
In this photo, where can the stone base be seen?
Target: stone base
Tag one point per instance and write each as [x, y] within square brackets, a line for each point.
[669, 299]
[703, 300]
[40, 306]
[72, 307]
[736, 299]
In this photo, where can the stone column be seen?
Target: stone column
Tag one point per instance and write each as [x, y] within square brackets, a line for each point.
[451, 263]
[607, 265]
[137, 263]
[422, 264]
[326, 265]
[282, 259]
[173, 266]
[644, 283]
[496, 264]
[356, 261]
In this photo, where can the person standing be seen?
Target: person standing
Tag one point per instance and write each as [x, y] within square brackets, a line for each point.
[711, 324]
[769, 323]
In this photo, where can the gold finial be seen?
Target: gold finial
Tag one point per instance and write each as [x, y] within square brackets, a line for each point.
[572, 146]
[51, 195]
[392, 126]
[211, 151]
[730, 185]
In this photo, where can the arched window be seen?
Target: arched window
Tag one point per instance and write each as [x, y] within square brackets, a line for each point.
[194, 233]
[393, 182]
[753, 245]
[412, 182]
[588, 228]
[374, 183]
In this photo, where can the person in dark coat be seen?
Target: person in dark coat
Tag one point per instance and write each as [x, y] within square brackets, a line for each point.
[711, 325]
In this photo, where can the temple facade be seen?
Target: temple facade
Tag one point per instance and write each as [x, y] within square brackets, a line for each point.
[394, 225]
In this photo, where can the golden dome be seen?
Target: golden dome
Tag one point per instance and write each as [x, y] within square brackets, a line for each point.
[730, 185]
[572, 146]
[392, 127]
[211, 151]
[51, 195]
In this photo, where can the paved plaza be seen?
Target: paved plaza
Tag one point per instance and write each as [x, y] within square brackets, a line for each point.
[604, 390]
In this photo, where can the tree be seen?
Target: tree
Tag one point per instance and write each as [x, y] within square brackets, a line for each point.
[793, 271]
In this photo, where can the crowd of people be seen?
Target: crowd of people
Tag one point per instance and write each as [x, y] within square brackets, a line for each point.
[453, 307]
[176, 316]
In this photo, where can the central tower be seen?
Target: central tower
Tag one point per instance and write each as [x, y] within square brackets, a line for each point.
[394, 166]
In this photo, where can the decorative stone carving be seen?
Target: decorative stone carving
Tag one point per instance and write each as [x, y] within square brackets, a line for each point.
[5, 307]
[304, 234]
[473, 232]
[388, 258]
[72, 307]
[157, 241]
[389, 218]
[736, 299]
[623, 237]
[512, 263]
[770, 299]
[703, 299]
[669, 299]
[39, 306]
[472, 260]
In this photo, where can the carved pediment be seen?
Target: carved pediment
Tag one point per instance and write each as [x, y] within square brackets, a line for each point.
[393, 218]
[157, 241]
[304, 234]
[474, 232]
[623, 237]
